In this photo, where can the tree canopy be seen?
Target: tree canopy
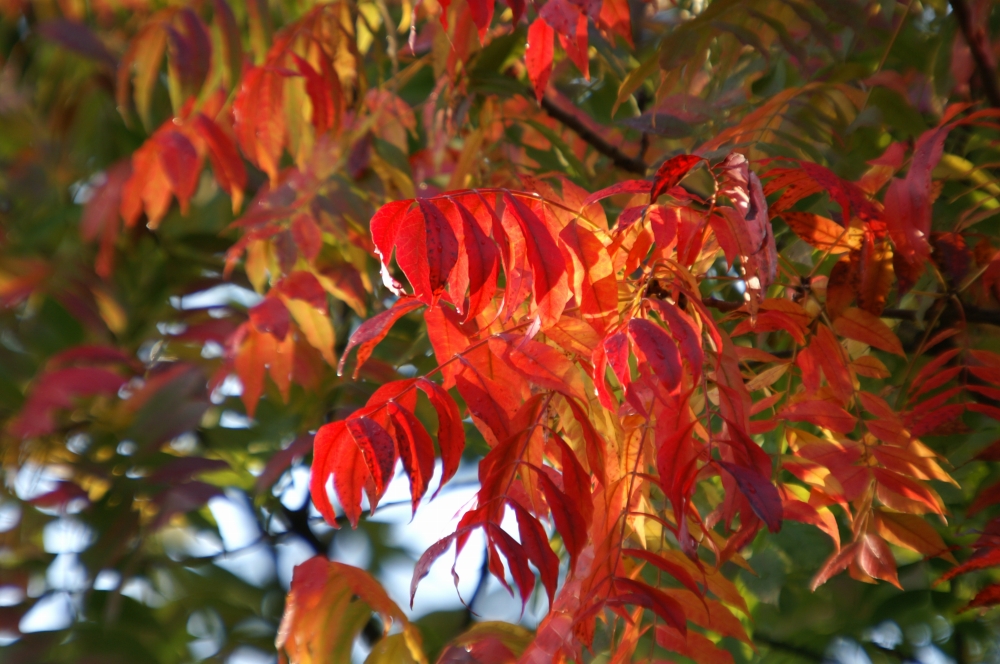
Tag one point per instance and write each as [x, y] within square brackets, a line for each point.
[678, 318]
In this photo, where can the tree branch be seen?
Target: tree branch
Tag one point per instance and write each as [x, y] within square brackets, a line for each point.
[618, 158]
[974, 37]
[971, 314]
[298, 523]
[798, 651]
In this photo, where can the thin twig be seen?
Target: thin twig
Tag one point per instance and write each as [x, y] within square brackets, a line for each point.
[975, 38]
[618, 158]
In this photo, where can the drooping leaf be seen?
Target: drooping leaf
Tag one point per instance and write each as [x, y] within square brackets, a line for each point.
[374, 330]
[867, 328]
[760, 492]
[538, 56]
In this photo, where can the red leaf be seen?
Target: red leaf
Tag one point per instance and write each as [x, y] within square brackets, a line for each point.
[670, 173]
[868, 328]
[356, 452]
[561, 16]
[180, 163]
[594, 280]
[796, 510]
[374, 330]
[540, 364]
[226, 161]
[451, 432]
[517, 560]
[302, 285]
[695, 646]
[260, 118]
[873, 268]
[415, 448]
[925, 421]
[448, 339]
[475, 390]
[988, 596]
[538, 56]
[933, 368]
[569, 522]
[907, 201]
[320, 95]
[271, 317]
[384, 226]
[400, 390]
[483, 263]
[62, 495]
[615, 17]
[745, 229]
[760, 492]
[654, 599]
[412, 254]
[548, 270]
[821, 413]
[625, 187]
[596, 447]
[423, 566]
[101, 215]
[658, 350]
[307, 235]
[835, 564]
[442, 245]
[615, 348]
[576, 45]
[326, 443]
[833, 359]
[670, 567]
[482, 15]
[683, 330]
[536, 544]
[909, 489]
[876, 560]
[250, 364]
[575, 480]
[980, 560]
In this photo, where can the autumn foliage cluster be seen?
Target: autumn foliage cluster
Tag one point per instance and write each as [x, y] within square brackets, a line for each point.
[676, 277]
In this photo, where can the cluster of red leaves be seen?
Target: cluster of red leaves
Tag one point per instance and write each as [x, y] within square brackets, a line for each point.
[583, 447]
[528, 359]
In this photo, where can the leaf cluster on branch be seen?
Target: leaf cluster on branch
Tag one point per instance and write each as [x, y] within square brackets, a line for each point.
[689, 283]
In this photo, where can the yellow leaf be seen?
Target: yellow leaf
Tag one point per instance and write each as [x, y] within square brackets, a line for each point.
[512, 637]
[112, 313]
[256, 264]
[469, 156]
[392, 649]
[767, 377]
[315, 325]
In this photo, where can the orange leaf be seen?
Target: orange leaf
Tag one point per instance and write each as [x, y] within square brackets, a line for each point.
[876, 560]
[911, 532]
[822, 233]
[868, 328]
